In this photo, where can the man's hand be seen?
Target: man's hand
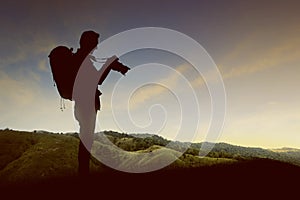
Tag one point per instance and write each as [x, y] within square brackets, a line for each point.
[112, 63]
[117, 66]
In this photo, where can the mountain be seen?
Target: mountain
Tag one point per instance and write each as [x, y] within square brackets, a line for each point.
[37, 157]
[130, 142]
[30, 156]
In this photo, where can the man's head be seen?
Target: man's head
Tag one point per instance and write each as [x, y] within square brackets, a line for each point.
[89, 40]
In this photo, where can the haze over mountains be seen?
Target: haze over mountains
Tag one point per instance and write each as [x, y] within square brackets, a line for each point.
[41, 155]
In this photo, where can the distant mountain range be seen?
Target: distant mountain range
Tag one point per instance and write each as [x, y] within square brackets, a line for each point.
[40, 155]
[136, 142]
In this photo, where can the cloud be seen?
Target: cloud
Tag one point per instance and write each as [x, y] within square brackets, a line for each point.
[18, 51]
[151, 92]
[273, 125]
[277, 55]
[239, 48]
[211, 76]
[25, 105]
[43, 66]
[17, 91]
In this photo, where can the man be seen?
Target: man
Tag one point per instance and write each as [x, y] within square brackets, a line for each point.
[86, 94]
[84, 111]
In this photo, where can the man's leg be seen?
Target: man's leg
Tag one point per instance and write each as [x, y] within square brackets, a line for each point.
[86, 134]
[83, 160]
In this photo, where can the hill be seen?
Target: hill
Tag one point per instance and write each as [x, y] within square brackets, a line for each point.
[32, 156]
[49, 159]
[135, 142]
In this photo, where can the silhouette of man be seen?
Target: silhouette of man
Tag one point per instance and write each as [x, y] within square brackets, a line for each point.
[86, 95]
[84, 111]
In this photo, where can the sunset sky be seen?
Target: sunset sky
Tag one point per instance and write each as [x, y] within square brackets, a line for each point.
[255, 44]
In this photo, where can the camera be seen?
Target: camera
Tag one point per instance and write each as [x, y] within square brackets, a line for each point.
[117, 66]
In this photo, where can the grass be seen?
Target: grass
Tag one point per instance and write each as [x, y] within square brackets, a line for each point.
[50, 160]
[27, 156]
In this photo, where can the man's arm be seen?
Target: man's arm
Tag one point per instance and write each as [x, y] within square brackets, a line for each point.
[104, 71]
[112, 64]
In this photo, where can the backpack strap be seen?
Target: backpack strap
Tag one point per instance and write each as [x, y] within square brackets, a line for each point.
[62, 104]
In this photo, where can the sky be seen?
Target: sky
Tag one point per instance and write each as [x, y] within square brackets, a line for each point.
[255, 45]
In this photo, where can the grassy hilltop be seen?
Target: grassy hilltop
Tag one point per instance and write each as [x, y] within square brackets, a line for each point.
[41, 157]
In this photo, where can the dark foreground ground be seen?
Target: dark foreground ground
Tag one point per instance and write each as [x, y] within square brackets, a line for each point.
[250, 179]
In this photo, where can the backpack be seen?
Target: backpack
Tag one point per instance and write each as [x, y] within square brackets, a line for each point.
[64, 66]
